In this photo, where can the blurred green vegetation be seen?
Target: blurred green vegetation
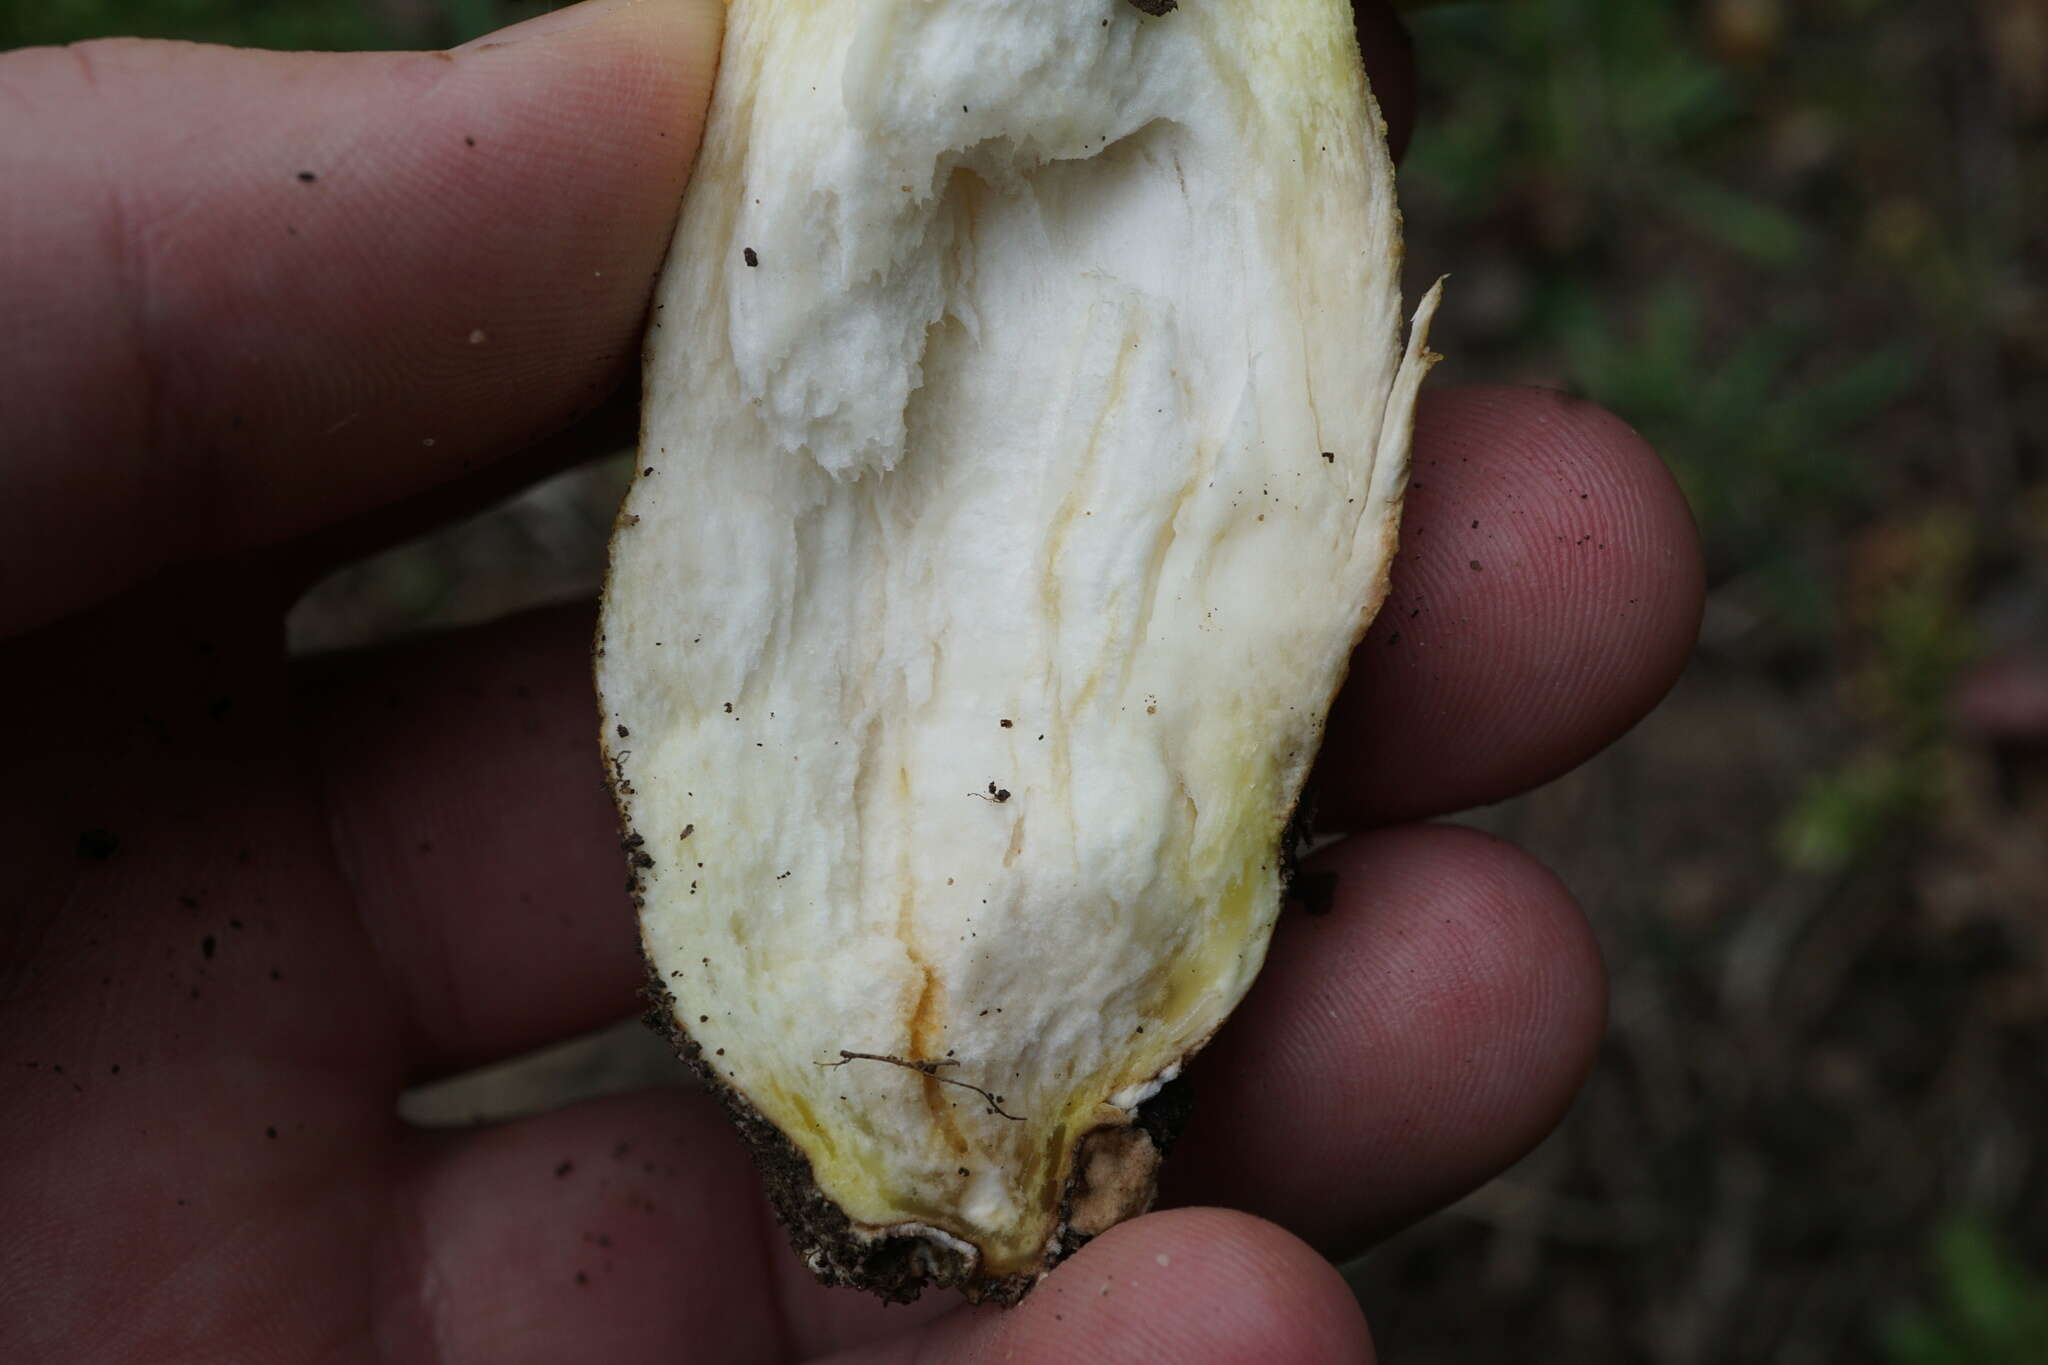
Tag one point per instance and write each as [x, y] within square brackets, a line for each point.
[1625, 129]
[1800, 245]
[1739, 225]
[1992, 1309]
[339, 25]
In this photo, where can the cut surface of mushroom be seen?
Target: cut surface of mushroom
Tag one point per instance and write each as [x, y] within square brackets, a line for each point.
[1027, 415]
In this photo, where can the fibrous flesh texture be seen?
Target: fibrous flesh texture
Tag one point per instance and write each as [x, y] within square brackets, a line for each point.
[1027, 419]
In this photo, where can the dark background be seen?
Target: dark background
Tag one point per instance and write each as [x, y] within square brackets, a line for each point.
[1803, 246]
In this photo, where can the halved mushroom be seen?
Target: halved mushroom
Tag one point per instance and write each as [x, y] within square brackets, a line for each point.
[1027, 421]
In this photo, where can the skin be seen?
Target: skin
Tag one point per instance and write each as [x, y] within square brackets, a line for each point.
[253, 898]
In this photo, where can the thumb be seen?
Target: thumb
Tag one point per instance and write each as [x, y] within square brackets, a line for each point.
[250, 293]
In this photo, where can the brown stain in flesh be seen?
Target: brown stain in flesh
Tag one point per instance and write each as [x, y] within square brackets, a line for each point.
[926, 1025]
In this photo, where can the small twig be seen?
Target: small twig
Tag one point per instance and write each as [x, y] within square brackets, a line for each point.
[930, 1069]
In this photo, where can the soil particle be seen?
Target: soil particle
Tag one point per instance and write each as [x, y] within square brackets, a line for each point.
[1315, 891]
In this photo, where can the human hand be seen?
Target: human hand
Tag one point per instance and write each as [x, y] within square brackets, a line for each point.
[265, 311]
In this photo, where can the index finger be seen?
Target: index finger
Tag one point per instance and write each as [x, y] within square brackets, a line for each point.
[250, 293]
